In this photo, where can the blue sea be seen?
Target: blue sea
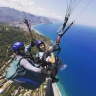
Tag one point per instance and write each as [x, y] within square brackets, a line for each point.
[79, 53]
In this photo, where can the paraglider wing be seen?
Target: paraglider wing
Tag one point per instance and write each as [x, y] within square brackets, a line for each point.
[71, 5]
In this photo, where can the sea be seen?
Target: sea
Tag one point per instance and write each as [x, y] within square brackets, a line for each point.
[78, 52]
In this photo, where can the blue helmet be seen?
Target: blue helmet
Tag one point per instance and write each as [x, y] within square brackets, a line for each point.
[39, 42]
[17, 45]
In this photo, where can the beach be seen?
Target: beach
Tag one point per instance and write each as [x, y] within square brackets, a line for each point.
[56, 90]
[37, 32]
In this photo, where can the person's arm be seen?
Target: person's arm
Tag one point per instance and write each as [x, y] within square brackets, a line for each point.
[29, 66]
[27, 48]
[52, 58]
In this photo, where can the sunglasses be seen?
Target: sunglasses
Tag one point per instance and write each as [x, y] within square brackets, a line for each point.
[22, 48]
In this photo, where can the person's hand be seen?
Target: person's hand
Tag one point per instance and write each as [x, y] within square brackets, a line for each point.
[33, 43]
[50, 67]
[50, 47]
[45, 55]
[44, 71]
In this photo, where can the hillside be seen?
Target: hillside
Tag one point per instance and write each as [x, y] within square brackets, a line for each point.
[14, 33]
[9, 35]
[14, 16]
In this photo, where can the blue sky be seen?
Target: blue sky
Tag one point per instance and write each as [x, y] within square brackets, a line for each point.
[55, 9]
[59, 7]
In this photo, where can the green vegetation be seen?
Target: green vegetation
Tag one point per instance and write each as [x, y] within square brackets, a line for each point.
[9, 35]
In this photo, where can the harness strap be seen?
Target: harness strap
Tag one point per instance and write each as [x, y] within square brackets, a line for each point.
[12, 77]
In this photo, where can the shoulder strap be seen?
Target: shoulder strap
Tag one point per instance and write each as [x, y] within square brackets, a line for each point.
[38, 54]
[20, 60]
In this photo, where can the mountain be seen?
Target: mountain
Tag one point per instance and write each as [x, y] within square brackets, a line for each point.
[10, 15]
[53, 20]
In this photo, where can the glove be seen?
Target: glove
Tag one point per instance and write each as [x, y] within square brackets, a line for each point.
[45, 55]
[48, 52]
[32, 43]
[44, 71]
[50, 67]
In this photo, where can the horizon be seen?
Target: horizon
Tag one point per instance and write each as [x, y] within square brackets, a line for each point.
[39, 8]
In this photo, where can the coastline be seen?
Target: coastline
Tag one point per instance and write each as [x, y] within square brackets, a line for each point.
[37, 31]
[55, 86]
[61, 89]
[40, 32]
[56, 90]
[38, 24]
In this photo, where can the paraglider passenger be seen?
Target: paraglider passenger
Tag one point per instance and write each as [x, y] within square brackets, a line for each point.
[50, 59]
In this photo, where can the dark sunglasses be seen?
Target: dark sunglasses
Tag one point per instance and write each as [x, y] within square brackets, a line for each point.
[22, 48]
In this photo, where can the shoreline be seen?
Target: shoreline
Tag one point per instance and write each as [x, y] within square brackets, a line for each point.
[58, 89]
[55, 88]
[37, 31]
[40, 32]
[38, 24]
[41, 24]
[43, 35]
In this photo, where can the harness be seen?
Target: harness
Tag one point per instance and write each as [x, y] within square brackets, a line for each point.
[15, 69]
[42, 62]
[22, 75]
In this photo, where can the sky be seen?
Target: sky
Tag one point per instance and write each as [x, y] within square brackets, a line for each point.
[55, 9]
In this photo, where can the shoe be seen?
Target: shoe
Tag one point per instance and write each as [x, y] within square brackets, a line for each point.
[55, 80]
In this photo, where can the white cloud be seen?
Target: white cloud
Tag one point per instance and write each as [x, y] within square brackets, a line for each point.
[44, 12]
[57, 16]
[28, 6]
